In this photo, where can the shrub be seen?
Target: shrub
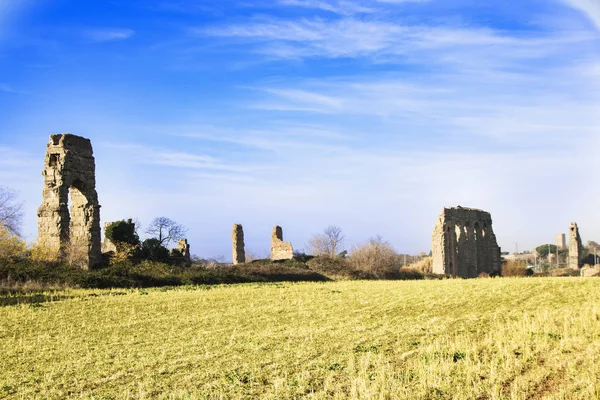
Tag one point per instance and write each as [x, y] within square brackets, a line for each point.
[42, 252]
[514, 268]
[11, 247]
[122, 232]
[154, 251]
[377, 257]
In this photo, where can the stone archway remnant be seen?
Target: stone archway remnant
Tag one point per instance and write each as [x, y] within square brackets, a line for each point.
[69, 172]
[464, 244]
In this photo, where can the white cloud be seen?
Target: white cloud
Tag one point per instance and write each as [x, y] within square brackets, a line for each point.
[355, 38]
[591, 9]
[338, 7]
[106, 34]
[177, 159]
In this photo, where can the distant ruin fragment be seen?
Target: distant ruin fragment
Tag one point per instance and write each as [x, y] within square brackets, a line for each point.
[464, 244]
[280, 250]
[237, 239]
[69, 173]
[184, 248]
[575, 247]
[561, 241]
[182, 253]
[107, 244]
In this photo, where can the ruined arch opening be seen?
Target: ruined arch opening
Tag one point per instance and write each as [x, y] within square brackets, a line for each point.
[69, 217]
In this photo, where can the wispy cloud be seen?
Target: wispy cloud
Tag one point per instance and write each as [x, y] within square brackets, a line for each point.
[177, 159]
[338, 7]
[354, 38]
[108, 34]
[590, 8]
[7, 88]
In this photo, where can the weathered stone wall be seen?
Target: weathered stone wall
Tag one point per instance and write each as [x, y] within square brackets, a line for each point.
[280, 250]
[69, 171]
[464, 244]
[574, 247]
[237, 239]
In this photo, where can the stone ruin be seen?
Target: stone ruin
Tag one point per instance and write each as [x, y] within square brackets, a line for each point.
[182, 252]
[464, 244]
[184, 248]
[237, 239]
[575, 247]
[280, 250]
[69, 173]
[108, 245]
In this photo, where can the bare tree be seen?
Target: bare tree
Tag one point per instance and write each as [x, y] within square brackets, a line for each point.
[165, 230]
[329, 243]
[376, 256]
[11, 212]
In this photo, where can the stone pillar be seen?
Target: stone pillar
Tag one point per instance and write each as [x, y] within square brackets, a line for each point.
[280, 250]
[69, 171]
[574, 247]
[237, 239]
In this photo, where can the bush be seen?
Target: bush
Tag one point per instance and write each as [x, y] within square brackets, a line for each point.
[514, 268]
[152, 250]
[11, 247]
[377, 257]
[122, 232]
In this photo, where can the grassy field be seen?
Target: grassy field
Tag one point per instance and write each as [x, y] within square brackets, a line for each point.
[464, 339]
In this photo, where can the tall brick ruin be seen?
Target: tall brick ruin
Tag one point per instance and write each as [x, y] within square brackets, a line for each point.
[464, 244]
[575, 247]
[237, 242]
[69, 173]
[280, 250]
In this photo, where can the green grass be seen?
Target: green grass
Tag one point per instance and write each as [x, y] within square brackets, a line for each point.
[463, 339]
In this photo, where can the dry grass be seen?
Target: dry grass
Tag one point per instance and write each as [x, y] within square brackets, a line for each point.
[462, 339]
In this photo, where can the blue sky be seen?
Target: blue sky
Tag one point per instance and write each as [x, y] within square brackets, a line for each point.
[371, 115]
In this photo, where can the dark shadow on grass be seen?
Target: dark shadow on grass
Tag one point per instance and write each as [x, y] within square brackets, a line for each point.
[32, 299]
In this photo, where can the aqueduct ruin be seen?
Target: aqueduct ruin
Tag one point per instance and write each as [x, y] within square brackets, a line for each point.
[69, 174]
[464, 243]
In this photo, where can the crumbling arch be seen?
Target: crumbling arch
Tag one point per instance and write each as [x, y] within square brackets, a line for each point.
[71, 227]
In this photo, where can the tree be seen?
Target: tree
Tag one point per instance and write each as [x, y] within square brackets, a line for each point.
[329, 243]
[545, 249]
[376, 256]
[153, 250]
[122, 232]
[11, 212]
[166, 230]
